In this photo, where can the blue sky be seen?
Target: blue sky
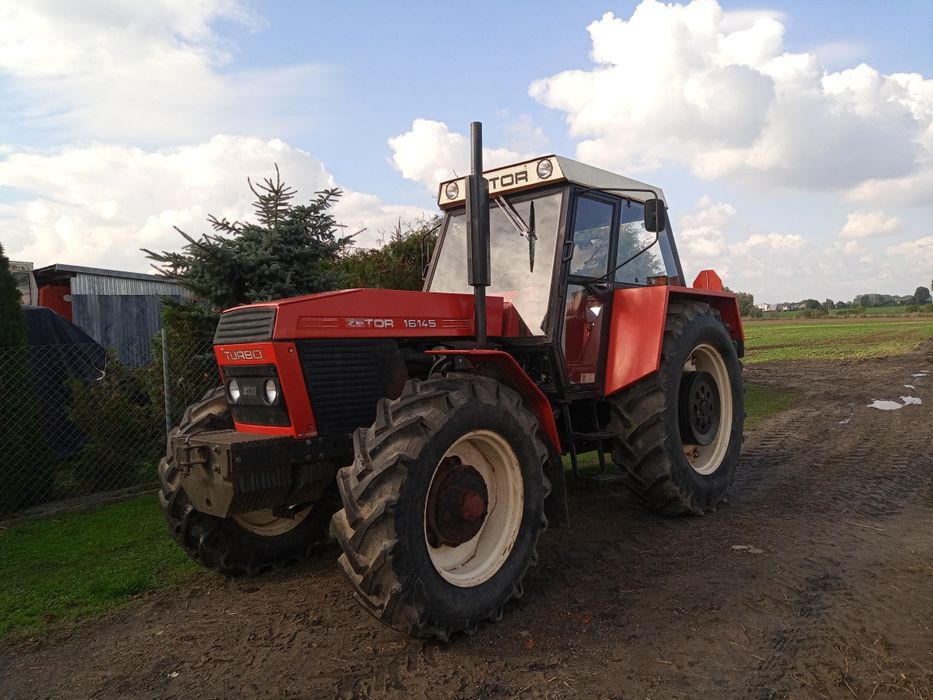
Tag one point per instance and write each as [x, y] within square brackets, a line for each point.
[794, 140]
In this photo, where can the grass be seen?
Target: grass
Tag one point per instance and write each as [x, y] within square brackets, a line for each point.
[833, 339]
[82, 564]
[762, 402]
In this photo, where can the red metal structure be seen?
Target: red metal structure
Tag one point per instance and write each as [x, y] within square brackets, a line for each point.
[555, 319]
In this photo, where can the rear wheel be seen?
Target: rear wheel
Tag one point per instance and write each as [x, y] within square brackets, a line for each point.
[443, 505]
[680, 430]
[244, 544]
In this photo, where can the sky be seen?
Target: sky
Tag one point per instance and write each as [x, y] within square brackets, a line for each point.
[793, 140]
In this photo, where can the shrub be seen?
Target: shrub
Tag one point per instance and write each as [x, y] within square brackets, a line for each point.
[812, 313]
[27, 468]
[124, 427]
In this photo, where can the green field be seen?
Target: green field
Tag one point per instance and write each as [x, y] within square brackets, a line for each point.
[81, 564]
[834, 339]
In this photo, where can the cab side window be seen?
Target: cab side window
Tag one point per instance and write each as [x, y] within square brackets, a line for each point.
[592, 233]
[633, 238]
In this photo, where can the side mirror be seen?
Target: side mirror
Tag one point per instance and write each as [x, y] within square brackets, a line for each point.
[655, 215]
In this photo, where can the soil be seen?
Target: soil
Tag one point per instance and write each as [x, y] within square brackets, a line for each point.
[815, 580]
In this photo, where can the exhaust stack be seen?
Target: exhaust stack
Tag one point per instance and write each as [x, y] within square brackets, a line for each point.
[477, 215]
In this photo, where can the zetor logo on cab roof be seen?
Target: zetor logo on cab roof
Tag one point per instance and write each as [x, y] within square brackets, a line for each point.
[234, 355]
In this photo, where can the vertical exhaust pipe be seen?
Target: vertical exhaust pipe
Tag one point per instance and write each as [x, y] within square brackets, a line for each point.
[477, 215]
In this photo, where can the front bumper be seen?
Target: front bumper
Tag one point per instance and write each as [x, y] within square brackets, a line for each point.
[226, 472]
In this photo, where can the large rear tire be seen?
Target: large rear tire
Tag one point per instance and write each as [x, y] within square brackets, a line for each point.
[243, 545]
[443, 505]
[680, 429]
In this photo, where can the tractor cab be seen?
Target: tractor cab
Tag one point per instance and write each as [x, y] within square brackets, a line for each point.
[563, 236]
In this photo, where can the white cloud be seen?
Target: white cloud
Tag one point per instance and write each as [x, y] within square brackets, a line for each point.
[765, 243]
[769, 265]
[430, 152]
[151, 71]
[97, 205]
[916, 256]
[863, 224]
[701, 240]
[916, 189]
[525, 136]
[716, 91]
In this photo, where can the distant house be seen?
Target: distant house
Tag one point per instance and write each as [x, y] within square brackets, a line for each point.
[766, 307]
[120, 310]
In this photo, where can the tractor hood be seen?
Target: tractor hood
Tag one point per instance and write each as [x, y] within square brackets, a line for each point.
[362, 313]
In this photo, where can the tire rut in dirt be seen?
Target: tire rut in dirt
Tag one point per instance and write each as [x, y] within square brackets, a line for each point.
[874, 478]
[381, 527]
[853, 488]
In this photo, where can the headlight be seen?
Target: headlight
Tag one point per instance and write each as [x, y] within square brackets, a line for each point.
[233, 389]
[271, 391]
[452, 190]
[545, 168]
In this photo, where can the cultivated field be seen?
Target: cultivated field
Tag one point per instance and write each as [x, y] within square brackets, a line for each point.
[816, 580]
[834, 338]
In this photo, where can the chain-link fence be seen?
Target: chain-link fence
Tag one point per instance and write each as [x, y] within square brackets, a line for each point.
[75, 422]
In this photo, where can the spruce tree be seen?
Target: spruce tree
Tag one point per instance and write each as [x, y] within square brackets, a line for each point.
[290, 249]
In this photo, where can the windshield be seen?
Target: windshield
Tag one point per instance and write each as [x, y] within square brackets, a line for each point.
[512, 278]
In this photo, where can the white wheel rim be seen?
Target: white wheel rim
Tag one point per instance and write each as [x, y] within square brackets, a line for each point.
[707, 459]
[478, 559]
[265, 524]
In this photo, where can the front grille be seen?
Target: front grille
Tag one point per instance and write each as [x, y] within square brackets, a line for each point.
[249, 325]
[346, 378]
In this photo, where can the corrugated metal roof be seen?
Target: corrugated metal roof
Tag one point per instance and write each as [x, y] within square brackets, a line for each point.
[102, 284]
[58, 267]
[95, 280]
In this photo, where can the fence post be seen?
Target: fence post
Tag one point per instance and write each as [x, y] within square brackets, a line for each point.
[166, 382]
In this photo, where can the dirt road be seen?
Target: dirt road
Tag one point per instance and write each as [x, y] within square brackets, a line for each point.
[816, 580]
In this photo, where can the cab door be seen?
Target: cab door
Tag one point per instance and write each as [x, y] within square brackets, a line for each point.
[588, 290]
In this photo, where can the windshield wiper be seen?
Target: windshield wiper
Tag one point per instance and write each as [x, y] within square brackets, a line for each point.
[524, 230]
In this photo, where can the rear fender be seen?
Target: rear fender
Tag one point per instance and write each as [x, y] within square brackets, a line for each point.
[555, 505]
[636, 334]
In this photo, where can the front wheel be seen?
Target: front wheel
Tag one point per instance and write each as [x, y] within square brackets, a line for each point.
[443, 505]
[680, 429]
[245, 544]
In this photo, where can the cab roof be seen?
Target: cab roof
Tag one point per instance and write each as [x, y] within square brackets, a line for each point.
[546, 170]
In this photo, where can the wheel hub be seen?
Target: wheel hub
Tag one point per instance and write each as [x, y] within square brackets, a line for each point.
[699, 408]
[457, 505]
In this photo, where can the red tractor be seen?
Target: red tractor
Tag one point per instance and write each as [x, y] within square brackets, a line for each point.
[431, 425]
